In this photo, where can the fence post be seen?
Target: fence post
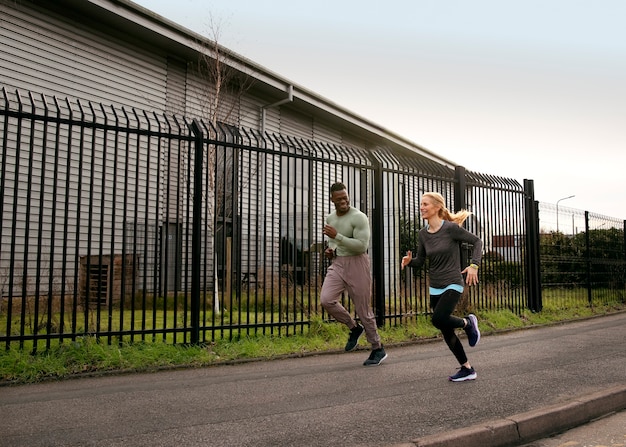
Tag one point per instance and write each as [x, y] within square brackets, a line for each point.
[460, 202]
[196, 233]
[533, 268]
[460, 185]
[378, 254]
[588, 257]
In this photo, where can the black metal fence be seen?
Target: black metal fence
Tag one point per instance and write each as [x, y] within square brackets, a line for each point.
[137, 226]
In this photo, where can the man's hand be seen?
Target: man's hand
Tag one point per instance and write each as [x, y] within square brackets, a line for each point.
[330, 231]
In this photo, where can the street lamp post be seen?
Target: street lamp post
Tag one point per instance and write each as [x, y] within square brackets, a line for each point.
[557, 210]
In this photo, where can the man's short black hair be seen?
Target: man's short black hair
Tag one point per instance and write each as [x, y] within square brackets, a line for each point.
[338, 186]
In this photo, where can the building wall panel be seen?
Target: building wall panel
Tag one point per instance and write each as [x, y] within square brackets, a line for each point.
[43, 52]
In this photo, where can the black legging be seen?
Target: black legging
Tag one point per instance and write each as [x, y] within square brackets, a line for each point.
[443, 305]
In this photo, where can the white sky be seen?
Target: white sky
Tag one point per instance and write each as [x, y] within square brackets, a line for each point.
[532, 89]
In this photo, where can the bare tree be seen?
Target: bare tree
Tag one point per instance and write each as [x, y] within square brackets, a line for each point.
[219, 95]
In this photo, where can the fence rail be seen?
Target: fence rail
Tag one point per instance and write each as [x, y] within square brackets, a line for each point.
[135, 226]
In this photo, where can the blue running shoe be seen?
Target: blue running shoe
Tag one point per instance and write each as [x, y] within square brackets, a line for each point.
[463, 374]
[472, 331]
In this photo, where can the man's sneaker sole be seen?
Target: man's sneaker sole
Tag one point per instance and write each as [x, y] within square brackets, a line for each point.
[350, 346]
[463, 379]
[474, 321]
[375, 364]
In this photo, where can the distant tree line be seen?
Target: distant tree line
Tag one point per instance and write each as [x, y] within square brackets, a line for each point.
[596, 260]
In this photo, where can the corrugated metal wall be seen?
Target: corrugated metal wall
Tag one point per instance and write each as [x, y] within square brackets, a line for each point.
[44, 52]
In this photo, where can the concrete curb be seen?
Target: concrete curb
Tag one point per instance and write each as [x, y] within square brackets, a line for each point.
[532, 425]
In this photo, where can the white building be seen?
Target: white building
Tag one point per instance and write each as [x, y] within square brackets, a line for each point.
[90, 57]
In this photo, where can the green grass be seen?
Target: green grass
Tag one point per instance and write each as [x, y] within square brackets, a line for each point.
[87, 355]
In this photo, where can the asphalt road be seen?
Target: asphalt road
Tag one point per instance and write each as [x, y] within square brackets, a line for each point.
[323, 400]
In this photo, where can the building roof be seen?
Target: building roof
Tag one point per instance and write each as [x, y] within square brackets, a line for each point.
[141, 24]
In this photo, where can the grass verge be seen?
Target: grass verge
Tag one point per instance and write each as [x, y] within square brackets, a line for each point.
[87, 355]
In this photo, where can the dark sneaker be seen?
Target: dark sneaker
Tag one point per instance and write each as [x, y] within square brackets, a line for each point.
[376, 357]
[472, 331]
[463, 374]
[355, 333]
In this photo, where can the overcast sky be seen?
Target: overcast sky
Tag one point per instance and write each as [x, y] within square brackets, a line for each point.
[532, 89]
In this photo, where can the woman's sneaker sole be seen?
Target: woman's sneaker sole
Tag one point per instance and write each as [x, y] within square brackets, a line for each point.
[463, 379]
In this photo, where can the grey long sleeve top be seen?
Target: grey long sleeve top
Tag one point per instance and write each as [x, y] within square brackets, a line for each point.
[442, 250]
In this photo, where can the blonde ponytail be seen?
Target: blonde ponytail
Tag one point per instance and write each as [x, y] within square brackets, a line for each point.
[444, 213]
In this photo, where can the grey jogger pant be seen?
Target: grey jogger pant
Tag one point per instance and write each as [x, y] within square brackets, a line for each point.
[351, 274]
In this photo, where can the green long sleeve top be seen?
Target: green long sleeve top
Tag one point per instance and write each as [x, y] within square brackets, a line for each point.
[353, 232]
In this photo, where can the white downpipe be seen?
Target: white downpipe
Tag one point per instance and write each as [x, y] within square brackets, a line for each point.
[289, 98]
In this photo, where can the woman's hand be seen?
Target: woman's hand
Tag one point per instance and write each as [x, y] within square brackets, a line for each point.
[472, 276]
[406, 259]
